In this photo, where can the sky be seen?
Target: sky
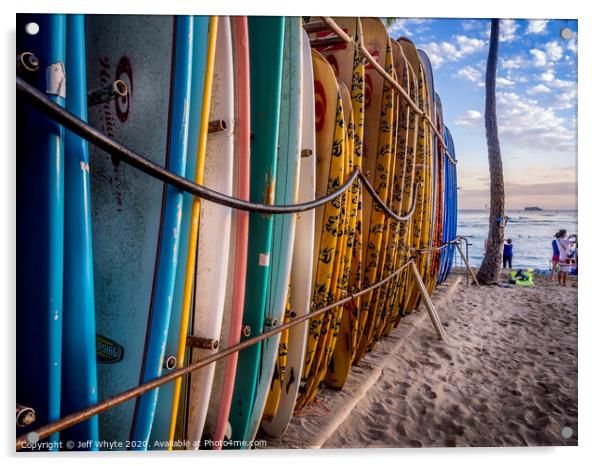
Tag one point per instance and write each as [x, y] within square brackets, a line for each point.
[536, 105]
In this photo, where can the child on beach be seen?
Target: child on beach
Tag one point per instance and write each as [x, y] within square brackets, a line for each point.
[566, 254]
[507, 255]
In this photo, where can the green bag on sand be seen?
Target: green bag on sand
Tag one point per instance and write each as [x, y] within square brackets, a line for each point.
[522, 277]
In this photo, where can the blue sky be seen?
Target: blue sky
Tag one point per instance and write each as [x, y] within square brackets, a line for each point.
[536, 104]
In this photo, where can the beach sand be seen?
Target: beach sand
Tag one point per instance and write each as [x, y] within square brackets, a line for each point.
[506, 377]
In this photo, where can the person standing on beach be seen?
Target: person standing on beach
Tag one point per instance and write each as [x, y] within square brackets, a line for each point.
[507, 255]
[565, 257]
[555, 257]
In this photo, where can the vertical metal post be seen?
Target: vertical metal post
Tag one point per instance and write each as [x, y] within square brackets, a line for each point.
[467, 264]
[428, 303]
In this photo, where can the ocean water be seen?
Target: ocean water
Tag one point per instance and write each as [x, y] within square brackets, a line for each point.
[531, 232]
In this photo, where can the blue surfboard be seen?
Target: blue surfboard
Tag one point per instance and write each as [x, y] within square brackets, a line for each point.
[79, 386]
[160, 429]
[135, 218]
[40, 225]
[169, 238]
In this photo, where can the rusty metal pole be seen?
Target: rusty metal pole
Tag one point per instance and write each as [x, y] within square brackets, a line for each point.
[467, 264]
[428, 303]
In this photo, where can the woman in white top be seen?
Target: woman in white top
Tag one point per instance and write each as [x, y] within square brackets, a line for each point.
[565, 259]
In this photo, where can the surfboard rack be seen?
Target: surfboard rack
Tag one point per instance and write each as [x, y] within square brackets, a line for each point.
[217, 126]
[245, 331]
[315, 26]
[25, 415]
[326, 41]
[270, 322]
[202, 343]
[65, 118]
[27, 62]
[170, 363]
[117, 88]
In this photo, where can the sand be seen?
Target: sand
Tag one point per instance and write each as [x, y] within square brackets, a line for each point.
[507, 376]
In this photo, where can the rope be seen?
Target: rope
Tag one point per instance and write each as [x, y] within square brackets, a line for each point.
[39, 100]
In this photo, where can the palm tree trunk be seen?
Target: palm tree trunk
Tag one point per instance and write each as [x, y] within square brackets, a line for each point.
[490, 267]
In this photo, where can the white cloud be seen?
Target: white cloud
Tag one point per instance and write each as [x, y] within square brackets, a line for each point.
[553, 50]
[504, 82]
[470, 73]
[539, 57]
[539, 89]
[537, 26]
[508, 29]
[469, 45]
[552, 53]
[470, 118]
[513, 63]
[547, 76]
[550, 78]
[563, 84]
[471, 24]
[520, 78]
[408, 26]
[525, 123]
[441, 52]
[566, 99]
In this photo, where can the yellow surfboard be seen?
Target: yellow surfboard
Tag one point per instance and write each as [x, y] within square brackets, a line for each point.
[330, 163]
[397, 232]
[345, 245]
[348, 64]
[376, 165]
[418, 235]
[405, 232]
[273, 399]
[427, 225]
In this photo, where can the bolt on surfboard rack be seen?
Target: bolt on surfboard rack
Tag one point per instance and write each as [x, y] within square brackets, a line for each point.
[71, 122]
[326, 23]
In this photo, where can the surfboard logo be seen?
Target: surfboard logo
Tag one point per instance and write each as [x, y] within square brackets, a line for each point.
[320, 104]
[107, 350]
[124, 73]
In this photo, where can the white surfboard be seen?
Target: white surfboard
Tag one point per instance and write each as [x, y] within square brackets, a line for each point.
[214, 232]
[220, 366]
[302, 265]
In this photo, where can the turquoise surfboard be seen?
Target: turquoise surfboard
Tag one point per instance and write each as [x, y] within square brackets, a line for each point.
[287, 182]
[266, 37]
[79, 385]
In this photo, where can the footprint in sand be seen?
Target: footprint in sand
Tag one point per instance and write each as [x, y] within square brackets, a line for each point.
[414, 443]
[536, 418]
[402, 386]
[429, 393]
